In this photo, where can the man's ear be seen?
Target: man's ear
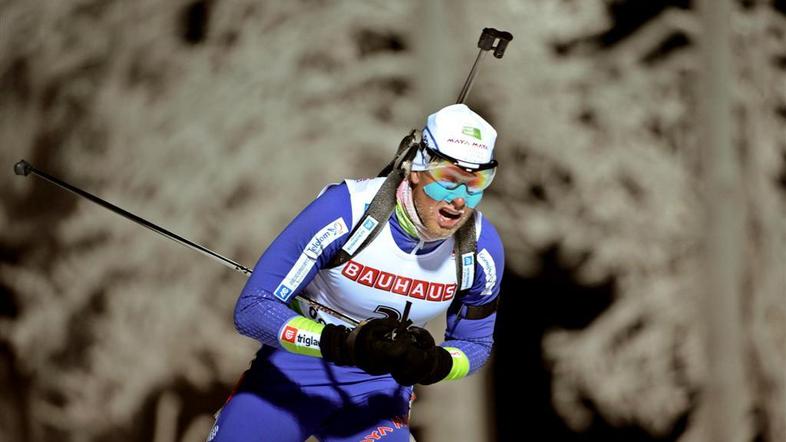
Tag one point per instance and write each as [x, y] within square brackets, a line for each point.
[414, 178]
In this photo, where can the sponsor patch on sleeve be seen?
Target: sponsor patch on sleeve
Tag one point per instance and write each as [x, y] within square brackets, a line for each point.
[306, 261]
[325, 237]
[301, 335]
[289, 334]
[296, 275]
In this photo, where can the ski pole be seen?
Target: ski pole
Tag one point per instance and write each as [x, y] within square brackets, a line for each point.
[23, 168]
[486, 43]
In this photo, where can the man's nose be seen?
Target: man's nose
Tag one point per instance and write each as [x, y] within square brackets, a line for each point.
[458, 203]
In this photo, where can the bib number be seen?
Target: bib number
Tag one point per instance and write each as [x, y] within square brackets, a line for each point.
[390, 312]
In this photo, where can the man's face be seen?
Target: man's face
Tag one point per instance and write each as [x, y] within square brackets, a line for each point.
[441, 218]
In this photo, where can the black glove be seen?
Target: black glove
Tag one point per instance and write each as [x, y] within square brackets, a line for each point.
[333, 344]
[422, 361]
[369, 346]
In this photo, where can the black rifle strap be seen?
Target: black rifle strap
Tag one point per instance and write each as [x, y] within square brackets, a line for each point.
[373, 220]
[382, 206]
[481, 311]
[465, 248]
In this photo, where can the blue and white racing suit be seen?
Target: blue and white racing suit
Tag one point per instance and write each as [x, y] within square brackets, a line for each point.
[289, 392]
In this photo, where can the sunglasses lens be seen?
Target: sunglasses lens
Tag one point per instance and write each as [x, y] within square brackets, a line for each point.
[450, 177]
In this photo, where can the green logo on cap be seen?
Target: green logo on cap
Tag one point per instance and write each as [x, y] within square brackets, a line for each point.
[471, 131]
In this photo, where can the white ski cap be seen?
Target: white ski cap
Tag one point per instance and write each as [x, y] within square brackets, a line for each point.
[459, 133]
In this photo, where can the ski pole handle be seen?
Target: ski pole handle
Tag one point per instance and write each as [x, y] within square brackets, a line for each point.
[486, 43]
[489, 36]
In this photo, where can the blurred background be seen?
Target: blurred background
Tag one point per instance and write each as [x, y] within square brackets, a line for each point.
[221, 119]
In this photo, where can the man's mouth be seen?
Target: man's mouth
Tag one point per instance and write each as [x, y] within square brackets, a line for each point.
[450, 214]
[449, 218]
